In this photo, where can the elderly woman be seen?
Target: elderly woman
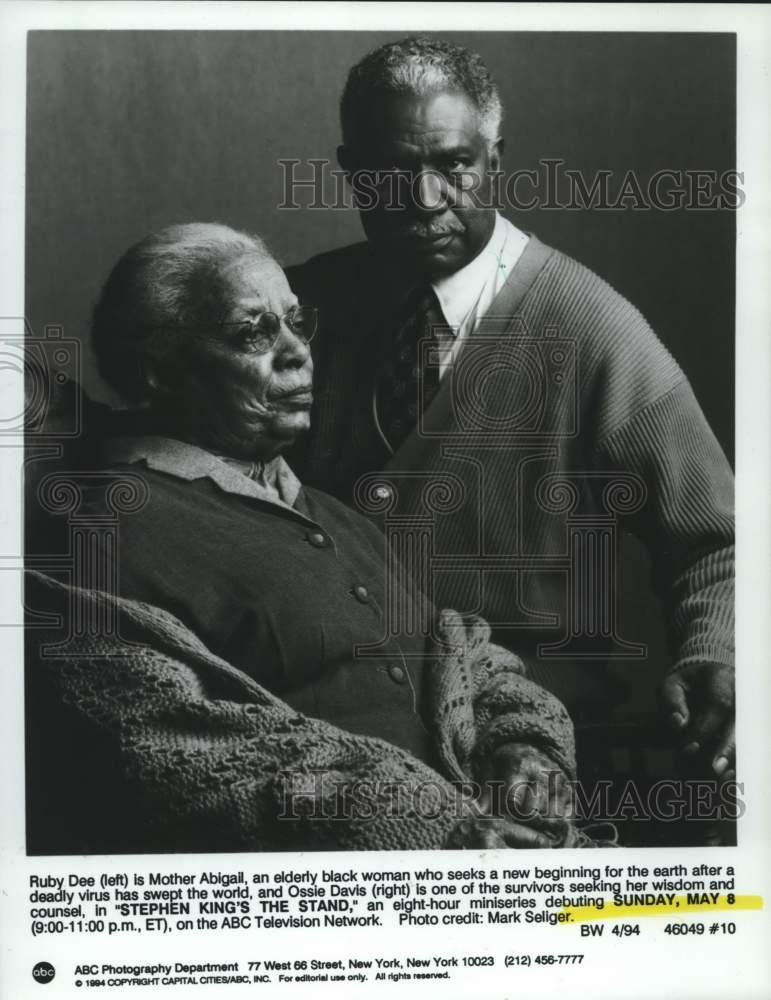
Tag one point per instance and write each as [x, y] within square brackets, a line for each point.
[259, 688]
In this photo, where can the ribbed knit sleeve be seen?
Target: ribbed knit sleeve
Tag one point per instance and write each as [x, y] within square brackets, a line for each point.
[638, 414]
[687, 521]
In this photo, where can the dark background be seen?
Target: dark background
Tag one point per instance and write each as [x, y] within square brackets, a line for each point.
[130, 131]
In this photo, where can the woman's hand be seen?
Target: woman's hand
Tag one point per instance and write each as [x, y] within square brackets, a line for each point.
[523, 785]
[524, 802]
[489, 832]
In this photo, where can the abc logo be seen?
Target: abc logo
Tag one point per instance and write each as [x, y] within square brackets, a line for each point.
[43, 972]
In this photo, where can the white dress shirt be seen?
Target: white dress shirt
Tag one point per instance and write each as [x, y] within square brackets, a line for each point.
[466, 295]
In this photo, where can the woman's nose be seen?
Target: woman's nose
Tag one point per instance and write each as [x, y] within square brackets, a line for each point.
[291, 350]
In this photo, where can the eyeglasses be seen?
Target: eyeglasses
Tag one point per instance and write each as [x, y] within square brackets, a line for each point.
[261, 333]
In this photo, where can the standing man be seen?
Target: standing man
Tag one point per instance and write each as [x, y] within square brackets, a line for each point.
[515, 406]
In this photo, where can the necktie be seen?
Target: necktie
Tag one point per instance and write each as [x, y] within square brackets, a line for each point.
[409, 382]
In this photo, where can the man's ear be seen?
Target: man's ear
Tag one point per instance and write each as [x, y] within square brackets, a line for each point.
[496, 154]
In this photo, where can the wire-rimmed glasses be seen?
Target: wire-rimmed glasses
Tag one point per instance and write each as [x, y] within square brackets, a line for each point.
[261, 332]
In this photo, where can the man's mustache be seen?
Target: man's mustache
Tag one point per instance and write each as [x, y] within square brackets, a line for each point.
[423, 231]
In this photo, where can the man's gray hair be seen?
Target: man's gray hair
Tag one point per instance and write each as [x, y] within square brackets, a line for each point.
[418, 66]
[167, 281]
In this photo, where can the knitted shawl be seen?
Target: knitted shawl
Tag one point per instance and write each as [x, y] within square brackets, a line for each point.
[140, 739]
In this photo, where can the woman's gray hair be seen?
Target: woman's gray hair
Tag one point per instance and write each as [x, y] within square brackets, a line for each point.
[418, 66]
[167, 281]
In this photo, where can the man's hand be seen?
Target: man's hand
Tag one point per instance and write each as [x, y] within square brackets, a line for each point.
[699, 700]
[523, 785]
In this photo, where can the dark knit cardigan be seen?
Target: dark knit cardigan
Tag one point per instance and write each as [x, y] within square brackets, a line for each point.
[578, 409]
[150, 743]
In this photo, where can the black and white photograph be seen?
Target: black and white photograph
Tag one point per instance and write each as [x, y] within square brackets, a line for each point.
[427, 553]
[376, 464]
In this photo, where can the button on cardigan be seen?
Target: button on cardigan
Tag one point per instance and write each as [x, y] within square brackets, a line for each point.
[290, 594]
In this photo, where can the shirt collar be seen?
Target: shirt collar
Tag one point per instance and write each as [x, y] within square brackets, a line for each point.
[459, 292]
[187, 461]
